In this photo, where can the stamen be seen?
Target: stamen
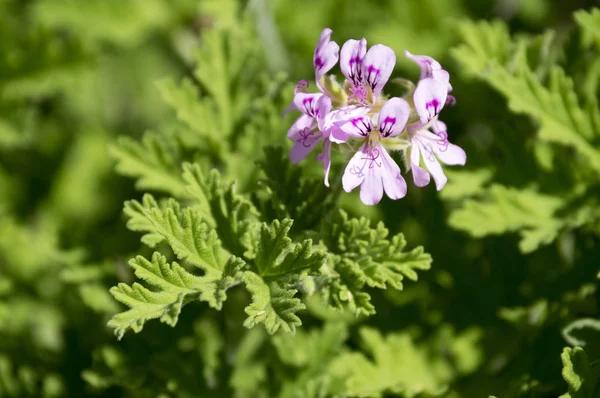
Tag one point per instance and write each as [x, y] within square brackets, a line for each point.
[359, 93]
[301, 87]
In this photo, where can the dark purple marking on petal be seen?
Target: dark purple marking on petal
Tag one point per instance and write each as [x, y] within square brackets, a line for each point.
[434, 103]
[357, 171]
[308, 104]
[358, 78]
[362, 124]
[372, 76]
[372, 155]
[306, 137]
[318, 63]
[443, 141]
[450, 101]
[385, 127]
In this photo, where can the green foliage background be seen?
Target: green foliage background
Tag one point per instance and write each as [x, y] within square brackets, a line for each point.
[251, 279]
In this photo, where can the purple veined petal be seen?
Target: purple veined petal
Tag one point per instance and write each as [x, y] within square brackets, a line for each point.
[351, 57]
[359, 127]
[453, 156]
[420, 175]
[442, 76]
[371, 189]
[378, 65]
[446, 152]
[337, 135]
[429, 98]
[393, 182]
[331, 123]
[323, 107]
[427, 64]
[393, 117]
[303, 123]
[325, 157]
[354, 174]
[304, 145]
[307, 103]
[431, 162]
[326, 55]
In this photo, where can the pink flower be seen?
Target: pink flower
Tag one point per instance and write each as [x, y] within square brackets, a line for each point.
[305, 132]
[372, 167]
[431, 69]
[325, 56]
[366, 70]
[433, 147]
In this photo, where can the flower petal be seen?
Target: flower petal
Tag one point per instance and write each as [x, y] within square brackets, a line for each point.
[307, 103]
[323, 107]
[329, 125]
[303, 146]
[393, 182]
[393, 117]
[378, 65]
[359, 127]
[447, 153]
[351, 57]
[354, 174]
[429, 97]
[453, 155]
[302, 125]
[371, 190]
[427, 64]
[432, 164]
[325, 157]
[420, 175]
[326, 55]
[430, 68]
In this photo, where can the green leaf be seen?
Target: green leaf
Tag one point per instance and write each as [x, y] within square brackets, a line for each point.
[489, 54]
[174, 284]
[581, 377]
[290, 194]
[280, 264]
[273, 303]
[343, 287]
[398, 367]
[140, 223]
[584, 333]
[383, 261]
[234, 217]
[276, 256]
[210, 346]
[249, 366]
[214, 290]
[465, 183]
[25, 380]
[152, 162]
[311, 349]
[183, 229]
[96, 297]
[503, 209]
[197, 113]
[589, 22]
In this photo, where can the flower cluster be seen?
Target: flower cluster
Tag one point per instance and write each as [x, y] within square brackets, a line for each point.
[356, 111]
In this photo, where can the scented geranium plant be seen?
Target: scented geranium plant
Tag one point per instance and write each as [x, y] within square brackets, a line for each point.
[356, 111]
[251, 263]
